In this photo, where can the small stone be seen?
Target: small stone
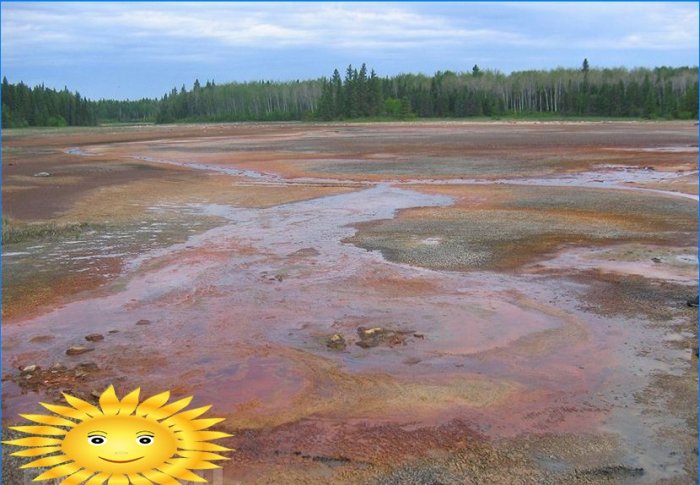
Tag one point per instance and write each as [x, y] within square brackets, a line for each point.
[336, 342]
[57, 366]
[42, 174]
[656, 260]
[143, 322]
[94, 337]
[29, 369]
[77, 350]
[96, 394]
[419, 335]
[87, 367]
[370, 337]
[40, 339]
[80, 374]
[369, 332]
[305, 252]
[693, 302]
[113, 331]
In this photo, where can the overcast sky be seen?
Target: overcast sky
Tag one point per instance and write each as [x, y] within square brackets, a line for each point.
[130, 50]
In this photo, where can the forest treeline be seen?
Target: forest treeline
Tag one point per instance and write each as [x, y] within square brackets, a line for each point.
[663, 92]
[40, 106]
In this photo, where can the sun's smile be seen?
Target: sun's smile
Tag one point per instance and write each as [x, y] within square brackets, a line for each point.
[167, 440]
[119, 461]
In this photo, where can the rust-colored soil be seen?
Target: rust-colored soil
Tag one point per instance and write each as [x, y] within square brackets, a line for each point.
[396, 303]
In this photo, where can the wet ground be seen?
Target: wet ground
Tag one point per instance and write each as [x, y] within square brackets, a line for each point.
[391, 303]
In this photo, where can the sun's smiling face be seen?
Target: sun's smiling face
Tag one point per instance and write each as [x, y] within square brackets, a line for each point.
[120, 444]
[122, 441]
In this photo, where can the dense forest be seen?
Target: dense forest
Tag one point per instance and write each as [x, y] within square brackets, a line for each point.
[663, 92]
[40, 106]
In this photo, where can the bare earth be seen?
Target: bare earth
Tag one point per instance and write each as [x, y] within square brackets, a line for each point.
[408, 303]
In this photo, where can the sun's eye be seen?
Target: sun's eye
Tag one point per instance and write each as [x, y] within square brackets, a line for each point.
[144, 440]
[97, 440]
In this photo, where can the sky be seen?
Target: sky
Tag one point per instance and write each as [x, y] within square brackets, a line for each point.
[130, 50]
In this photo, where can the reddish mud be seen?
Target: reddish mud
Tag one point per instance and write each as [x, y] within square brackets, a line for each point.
[544, 369]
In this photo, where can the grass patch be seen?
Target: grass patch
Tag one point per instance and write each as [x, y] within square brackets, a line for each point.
[17, 232]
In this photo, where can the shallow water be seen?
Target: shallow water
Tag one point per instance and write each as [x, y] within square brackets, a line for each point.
[240, 316]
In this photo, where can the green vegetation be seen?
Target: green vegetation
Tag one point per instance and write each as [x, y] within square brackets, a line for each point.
[40, 106]
[254, 101]
[663, 92]
[16, 232]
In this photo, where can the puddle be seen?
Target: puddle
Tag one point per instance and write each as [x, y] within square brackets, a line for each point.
[233, 292]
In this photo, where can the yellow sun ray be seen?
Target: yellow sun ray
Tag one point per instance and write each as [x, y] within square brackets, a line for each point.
[58, 472]
[118, 480]
[170, 409]
[209, 435]
[204, 446]
[45, 430]
[66, 411]
[201, 455]
[139, 479]
[200, 424]
[83, 406]
[47, 461]
[97, 479]
[153, 403]
[128, 404]
[121, 442]
[179, 470]
[42, 450]
[191, 414]
[160, 478]
[202, 465]
[50, 420]
[109, 402]
[34, 441]
[77, 478]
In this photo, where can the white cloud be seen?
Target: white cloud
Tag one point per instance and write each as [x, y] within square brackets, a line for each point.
[48, 32]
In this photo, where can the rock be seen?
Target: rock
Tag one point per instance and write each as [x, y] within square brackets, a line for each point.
[113, 331]
[419, 335]
[57, 367]
[369, 332]
[143, 322]
[305, 252]
[336, 342]
[40, 339]
[96, 394]
[94, 337]
[649, 167]
[87, 367]
[77, 350]
[42, 174]
[656, 260]
[373, 337]
[693, 302]
[29, 369]
[370, 337]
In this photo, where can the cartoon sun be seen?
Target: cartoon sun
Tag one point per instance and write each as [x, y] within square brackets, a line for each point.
[121, 442]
